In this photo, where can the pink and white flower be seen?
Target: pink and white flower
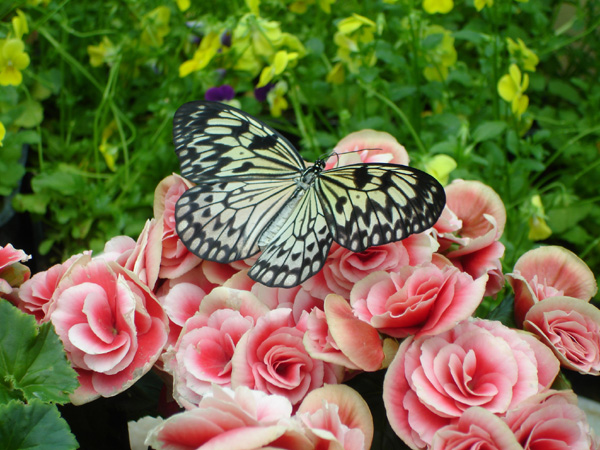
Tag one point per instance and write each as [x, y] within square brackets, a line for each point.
[112, 327]
[474, 248]
[433, 380]
[271, 357]
[548, 272]
[571, 328]
[417, 300]
[551, 419]
[12, 272]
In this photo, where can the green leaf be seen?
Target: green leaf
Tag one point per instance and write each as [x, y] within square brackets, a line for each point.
[563, 219]
[488, 130]
[63, 182]
[34, 426]
[468, 35]
[564, 90]
[33, 203]
[32, 360]
[32, 114]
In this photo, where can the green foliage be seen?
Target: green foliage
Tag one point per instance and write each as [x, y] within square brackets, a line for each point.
[105, 80]
[32, 360]
[34, 425]
[34, 376]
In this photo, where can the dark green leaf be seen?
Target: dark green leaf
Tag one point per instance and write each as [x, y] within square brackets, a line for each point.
[563, 219]
[564, 90]
[32, 203]
[32, 360]
[34, 426]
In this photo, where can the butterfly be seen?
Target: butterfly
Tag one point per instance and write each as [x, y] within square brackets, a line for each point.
[254, 193]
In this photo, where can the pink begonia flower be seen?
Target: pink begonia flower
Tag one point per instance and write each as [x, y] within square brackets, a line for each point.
[12, 273]
[232, 420]
[368, 146]
[297, 298]
[142, 257]
[548, 272]
[571, 328]
[271, 357]
[337, 336]
[551, 420]
[418, 301]
[202, 355]
[474, 248]
[111, 325]
[336, 416]
[176, 258]
[343, 267]
[36, 294]
[433, 380]
[476, 428]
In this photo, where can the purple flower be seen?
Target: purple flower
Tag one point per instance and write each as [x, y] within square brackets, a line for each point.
[226, 39]
[219, 93]
[260, 93]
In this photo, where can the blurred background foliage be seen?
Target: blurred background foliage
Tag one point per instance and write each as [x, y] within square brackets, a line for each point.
[502, 91]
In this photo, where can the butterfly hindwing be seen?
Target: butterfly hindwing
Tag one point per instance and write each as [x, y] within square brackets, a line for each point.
[215, 141]
[374, 204]
[299, 248]
[223, 221]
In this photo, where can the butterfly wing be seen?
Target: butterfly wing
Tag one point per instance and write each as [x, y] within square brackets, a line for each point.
[300, 247]
[223, 221]
[245, 172]
[374, 204]
[214, 141]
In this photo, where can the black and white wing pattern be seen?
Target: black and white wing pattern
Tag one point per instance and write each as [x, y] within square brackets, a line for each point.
[254, 193]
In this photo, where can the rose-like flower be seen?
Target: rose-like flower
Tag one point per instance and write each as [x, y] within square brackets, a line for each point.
[12, 273]
[176, 259]
[551, 420]
[336, 416]
[271, 357]
[229, 419]
[477, 428]
[142, 257]
[433, 380]
[343, 267]
[547, 272]
[335, 335]
[297, 298]
[203, 352]
[368, 146]
[37, 293]
[474, 248]
[112, 327]
[417, 301]
[571, 328]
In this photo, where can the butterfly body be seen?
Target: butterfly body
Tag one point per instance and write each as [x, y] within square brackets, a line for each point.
[254, 193]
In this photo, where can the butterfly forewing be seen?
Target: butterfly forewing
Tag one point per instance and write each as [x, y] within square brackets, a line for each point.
[299, 249]
[374, 204]
[215, 141]
[223, 221]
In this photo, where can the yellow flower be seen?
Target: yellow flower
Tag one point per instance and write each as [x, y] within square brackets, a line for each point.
[254, 6]
[351, 24]
[300, 6]
[280, 62]
[209, 45]
[523, 54]
[480, 4]
[538, 228]
[276, 99]
[19, 23]
[183, 5]
[354, 32]
[325, 5]
[156, 26]
[109, 151]
[441, 57]
[511, 88]
[438, 6]
[440, 167]
[102, 53]
[13, 59]
[336, 74]
[2, 133]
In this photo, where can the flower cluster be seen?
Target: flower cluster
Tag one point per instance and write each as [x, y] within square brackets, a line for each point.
[265, 364]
